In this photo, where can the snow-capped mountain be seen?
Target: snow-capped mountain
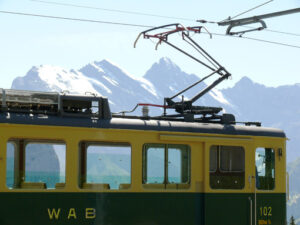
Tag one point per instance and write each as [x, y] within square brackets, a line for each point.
[124, 91]
[168, 79]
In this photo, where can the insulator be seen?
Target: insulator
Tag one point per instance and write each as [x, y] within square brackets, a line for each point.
[145, 111]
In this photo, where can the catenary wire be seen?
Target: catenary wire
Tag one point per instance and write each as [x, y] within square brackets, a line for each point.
[76, 19]
[156, 15]
[133, 25]
[112, 10]
[275, 31]
[249, 10]
[257, 39]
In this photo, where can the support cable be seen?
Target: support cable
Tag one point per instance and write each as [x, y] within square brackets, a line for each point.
[259, 40]
[276, 31]
[75, 19]
[161, 16]
[112, 10]
[249, 10]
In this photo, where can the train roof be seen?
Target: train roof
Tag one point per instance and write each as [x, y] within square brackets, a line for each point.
[141, 124]
[56, 109]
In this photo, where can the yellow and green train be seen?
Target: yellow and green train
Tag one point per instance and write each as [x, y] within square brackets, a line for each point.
[136, 171]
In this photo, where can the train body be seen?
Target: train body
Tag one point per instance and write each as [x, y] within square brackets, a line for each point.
[143, 171]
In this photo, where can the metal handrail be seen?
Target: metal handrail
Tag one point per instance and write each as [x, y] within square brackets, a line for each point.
[288, 185]
[250, 200]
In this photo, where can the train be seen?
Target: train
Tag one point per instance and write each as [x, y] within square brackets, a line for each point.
[134, 170]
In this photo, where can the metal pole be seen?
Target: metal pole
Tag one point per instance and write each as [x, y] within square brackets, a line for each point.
[257, 18]
[194, 84]
[198, 46]
[207, 89]
[189, 55]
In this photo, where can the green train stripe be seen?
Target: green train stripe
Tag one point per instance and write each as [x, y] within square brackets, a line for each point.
[140, 208]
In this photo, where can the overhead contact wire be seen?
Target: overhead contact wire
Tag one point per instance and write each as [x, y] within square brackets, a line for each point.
[76, 19]
[249, 10]
[260, 40]
[156, 15]
[133, 25]
[276, 31]
[111, 10]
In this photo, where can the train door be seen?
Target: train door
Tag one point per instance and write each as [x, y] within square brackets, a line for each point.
[228, 194]
[269, 193]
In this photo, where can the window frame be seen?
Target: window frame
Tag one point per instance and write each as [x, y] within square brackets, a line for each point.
[275, 149]
[83, 157]
[165, 146]
[22, 177]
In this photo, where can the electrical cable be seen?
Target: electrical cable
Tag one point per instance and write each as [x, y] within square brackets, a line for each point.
[76, 19]
[134, 25]
[276, 31]
[156, 15]
[260, 40]
[112, 10]
[249, 10]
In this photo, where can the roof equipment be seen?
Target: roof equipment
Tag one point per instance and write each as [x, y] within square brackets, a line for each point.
[53, 103]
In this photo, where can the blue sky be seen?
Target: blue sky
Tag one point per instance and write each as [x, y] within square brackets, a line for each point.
[31, 41]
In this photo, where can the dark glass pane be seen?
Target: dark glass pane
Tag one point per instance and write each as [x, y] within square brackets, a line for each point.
[232, 159]
[213, 154]
[227, 170]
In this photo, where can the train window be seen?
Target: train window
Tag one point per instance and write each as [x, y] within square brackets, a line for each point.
[154, 169]
[227, 167]
[45, 164]
[265, 168]
[10, 164]
[35, 165]
[108, 166]
[232, 159]
[166, 164]
[178, 164]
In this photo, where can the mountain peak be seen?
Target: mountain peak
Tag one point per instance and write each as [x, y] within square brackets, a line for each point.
[245, 81]
[166, 60]
[163, 66]
[106, 63]
[167, 63]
